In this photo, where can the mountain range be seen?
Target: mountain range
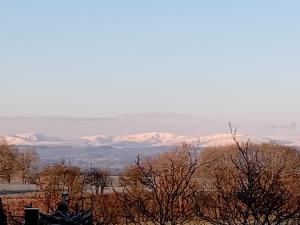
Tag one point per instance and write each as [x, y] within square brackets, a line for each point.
[153, 139]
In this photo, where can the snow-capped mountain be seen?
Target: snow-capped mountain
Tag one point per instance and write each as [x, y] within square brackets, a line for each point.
[142, 139]
[37, 137]
[153, 139]
[95, 140]
[225, 139]
[32, 139]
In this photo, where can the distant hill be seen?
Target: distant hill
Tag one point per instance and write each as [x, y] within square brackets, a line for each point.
[152, 139]
[116, 152]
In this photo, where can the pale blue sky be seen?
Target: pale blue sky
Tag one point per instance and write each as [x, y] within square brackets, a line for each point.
[229, 59]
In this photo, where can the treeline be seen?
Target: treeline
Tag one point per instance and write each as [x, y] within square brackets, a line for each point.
[239, 184]
[16, 165]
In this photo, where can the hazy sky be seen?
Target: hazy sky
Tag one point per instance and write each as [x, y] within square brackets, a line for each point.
[226, 59]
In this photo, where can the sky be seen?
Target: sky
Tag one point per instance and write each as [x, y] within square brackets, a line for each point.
[217, 59]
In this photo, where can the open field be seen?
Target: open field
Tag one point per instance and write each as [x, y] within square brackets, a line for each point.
[8, 189]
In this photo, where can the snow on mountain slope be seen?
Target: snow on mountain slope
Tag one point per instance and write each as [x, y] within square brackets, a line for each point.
[169, 139]
[144, 140]
[37, 137]
[32, 139]
[225, 139]
[152, 139]
[96, 140]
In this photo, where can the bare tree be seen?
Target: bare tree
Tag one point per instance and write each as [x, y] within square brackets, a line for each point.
[107, 211]
[99, 180]
[59, 178]
[249, 190]
[9, 164]
[162, 188]
[28, 163]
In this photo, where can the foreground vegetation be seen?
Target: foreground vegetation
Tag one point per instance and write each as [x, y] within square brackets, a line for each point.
[239, 184]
